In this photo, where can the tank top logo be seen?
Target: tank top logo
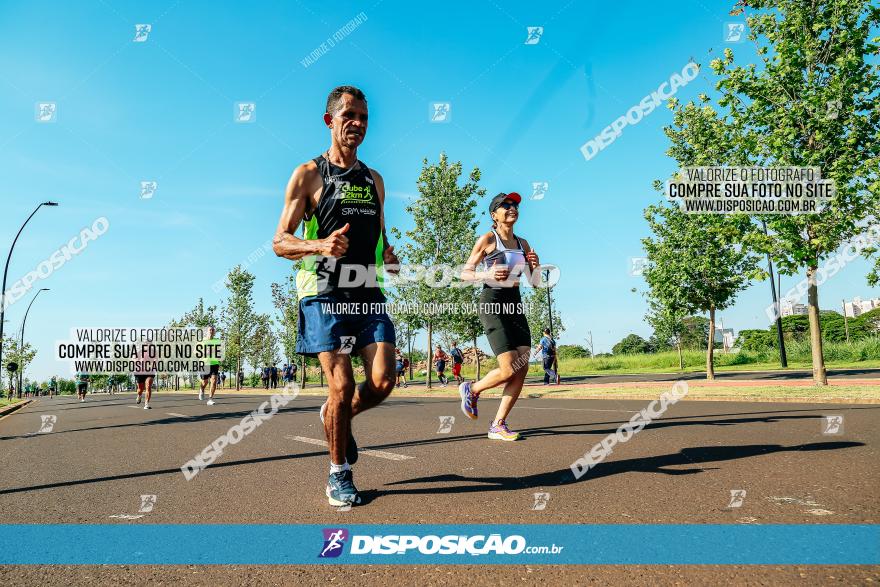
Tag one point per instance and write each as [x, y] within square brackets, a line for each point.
[352, 194]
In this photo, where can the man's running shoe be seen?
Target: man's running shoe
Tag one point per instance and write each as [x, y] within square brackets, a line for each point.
[138, 400]
[211, 402]
[201, 396]
[500, 431]
[351, 447]
[468, 400]
[341, 490]
[147, 406]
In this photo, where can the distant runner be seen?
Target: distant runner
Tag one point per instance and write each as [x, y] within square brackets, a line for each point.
[82, 384]
[457, 361]
[342, 203]
[144, 379]
[440, 359]
[213, 370]
[400, 363]
[505, 257]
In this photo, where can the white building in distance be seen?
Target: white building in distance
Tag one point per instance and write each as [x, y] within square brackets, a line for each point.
[790, 309]
[858, 306]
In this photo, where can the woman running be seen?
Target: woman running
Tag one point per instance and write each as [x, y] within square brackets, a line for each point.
[505, 257]
[440, 358]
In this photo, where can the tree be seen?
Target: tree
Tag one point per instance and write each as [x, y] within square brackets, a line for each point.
[812, 101]
[262, 346]
[200, 316]
[697, 262]
[407, 321]
[443, 235]
[238, 317]
[284, 298]
[696, 332]
[632, 344]
[572, 351]
[21, 355]
[667, 316]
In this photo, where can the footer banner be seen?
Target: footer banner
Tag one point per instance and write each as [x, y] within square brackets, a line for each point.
[698, 544]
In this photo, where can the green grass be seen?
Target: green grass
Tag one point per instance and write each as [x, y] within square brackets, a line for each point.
[838, 355]
[5, 402]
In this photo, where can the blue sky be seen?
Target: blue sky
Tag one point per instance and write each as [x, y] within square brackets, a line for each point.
[162, 110]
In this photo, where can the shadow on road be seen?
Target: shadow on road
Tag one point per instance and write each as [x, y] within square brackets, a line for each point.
[162, 421]
[657, 464]
[172, 471]
[667, 422]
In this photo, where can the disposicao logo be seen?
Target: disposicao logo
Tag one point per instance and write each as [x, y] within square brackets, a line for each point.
[334, 541]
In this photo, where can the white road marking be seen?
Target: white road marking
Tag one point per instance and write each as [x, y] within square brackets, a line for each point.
[178, 415]
[575, 409]
[391, 456]
[126, 516]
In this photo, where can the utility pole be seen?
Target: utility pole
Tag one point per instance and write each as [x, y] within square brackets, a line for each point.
[845, 324]
[782, 358]
[589, 341]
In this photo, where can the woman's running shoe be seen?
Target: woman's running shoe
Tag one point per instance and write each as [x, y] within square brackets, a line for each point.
[500, 431]
[468, 400]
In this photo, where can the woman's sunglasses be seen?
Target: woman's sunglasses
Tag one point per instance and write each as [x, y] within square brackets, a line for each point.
[508, 205]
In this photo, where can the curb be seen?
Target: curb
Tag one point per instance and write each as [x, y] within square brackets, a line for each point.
[14, 407]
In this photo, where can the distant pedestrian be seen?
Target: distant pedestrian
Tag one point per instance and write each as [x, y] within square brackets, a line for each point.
[547, 346]
[457, 361]
[400, 364]
[82, 384]
[440, 358]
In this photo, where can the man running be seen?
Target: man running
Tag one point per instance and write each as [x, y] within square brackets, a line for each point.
[341, 201]
[400, 366]
[457, 361]
[213, 371]
[82, 384]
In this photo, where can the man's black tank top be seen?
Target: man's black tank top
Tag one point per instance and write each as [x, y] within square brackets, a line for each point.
[348, 196]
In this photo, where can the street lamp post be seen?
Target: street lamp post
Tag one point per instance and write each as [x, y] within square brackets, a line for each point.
[549, 303]
[6, 269]
[21, 346]
[550, 318]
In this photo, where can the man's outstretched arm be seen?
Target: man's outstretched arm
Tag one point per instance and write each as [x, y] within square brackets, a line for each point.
[303, 183]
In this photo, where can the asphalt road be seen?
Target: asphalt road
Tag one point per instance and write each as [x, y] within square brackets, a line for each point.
[102, 455]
